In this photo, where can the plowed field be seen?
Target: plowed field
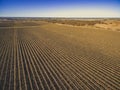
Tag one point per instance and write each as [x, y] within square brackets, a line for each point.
[55, 57]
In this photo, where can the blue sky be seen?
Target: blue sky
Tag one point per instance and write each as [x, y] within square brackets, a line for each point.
[60, 8]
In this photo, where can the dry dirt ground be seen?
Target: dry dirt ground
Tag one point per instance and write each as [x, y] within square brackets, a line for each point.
[38, 55]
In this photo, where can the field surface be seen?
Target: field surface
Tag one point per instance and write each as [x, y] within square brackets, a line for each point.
[40, 55]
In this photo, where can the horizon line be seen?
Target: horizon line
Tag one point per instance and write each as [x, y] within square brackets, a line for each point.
[50, 17]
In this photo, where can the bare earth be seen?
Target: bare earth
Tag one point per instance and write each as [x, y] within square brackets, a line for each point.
[42, 55]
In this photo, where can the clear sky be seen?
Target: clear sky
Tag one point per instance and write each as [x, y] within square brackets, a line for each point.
[60, 8]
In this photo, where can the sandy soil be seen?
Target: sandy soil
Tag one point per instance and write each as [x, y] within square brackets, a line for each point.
[49, 56]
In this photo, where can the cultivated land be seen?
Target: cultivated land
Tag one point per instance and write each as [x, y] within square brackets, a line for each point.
[59, 54]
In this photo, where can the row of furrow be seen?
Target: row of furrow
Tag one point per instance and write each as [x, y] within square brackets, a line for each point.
[27, 73]
[74, 72]
[18, 69]
[7, 71]
[22, 70]
[60, 41]
[2, 44]
[62, 58]
[61, 66]
[34, 83]
[11, 77]
[47, 78]
[4, 61]
[36, 67]
[2, 51]
[37, 56]
[8, 68]
[17, 64]
[31, 61]
[110, 74]
[5, 66]
[67, 76]
[83, 68]
[48, 60]
[15, 55]
[65, 45]
[47, 57]
[42, 76]
[91, 70]
[26, 68]
[33, 80]
[47, 70]
[99, 65]
[48, 63]
[86, 52]
[78, 59]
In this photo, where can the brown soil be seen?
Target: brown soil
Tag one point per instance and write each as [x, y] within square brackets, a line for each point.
[53, 57]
